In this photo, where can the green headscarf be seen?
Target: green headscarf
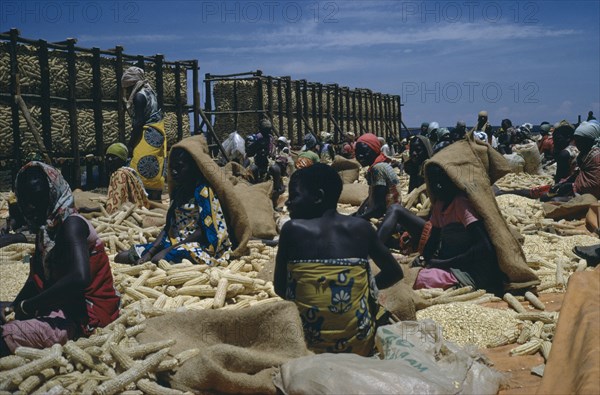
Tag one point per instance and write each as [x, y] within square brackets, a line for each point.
[119, 150]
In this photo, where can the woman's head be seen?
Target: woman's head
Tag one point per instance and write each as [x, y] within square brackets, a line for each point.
[33, 195]
[312, 191]
[116, 157]
[562, 136]
[440, 185]
[418, 150]
[183, 169]
[586, 136]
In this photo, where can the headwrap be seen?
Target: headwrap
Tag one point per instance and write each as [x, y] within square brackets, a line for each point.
[564, 127]
[427, 145]
[373, 143]
[303, 162]
[60, 205]
[119, 150]
[325, 136]
[425, 125]
[310, 141]
[545, 128]
[442, 132]
[283, 140]
[134, 76]
[589, 130]
[432, 126]
[351, 135]
[482, 113]
[461, 124]
[265, 124]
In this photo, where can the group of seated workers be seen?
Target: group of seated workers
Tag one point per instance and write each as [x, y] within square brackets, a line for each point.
[322, 260]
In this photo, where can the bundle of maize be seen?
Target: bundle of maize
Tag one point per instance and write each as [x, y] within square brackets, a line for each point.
[109, 361]
[172, 286]
[513, 181]
[434, 296]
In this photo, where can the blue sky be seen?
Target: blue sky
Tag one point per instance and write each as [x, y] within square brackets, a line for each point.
[527, 61]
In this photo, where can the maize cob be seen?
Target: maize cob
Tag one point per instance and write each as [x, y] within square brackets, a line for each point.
[148, 292]
[148, 348]
[135, 294]
[514, 303]
[545, 348]
[201, 279]
[187, 354]
[176, 269]
[142, 278]
[560, 279]
[152, 388]
[237, 306]
[171, 291]
[181, 278]
[135, 270]
[536, 329]
[94, 351]
[507, 337]
[156, 280]
[581, 265]
[214, 276]
[197, 290]
[160, 302]
[57, 390]
[178, 301]
[81, 356]
[121, 357]
[31, 353]
[235, 266]
[525, 335]
[16, 375]
[97, 340]
[264, 301]
[219, 300]
[535, 316]
[164, 265]
[237, 278]
[11, 362]
[152, 311]
[528, 348]
[32, 382]
[458, 297]
[167, 365]
[458, 291]
[88, 387]
[131, 375]
[134, 330]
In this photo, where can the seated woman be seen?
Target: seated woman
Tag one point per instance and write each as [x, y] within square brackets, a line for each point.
[456, 249]
[195, 228]
[587, 178]
[384, 185]
[69, 291]
[322, 265]
[419, 151]
[565, 154]
[125, 184]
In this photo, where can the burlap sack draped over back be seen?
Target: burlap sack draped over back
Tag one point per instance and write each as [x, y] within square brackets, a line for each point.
[235, 214]
[574, 363]
[240, 349]
[473, 166]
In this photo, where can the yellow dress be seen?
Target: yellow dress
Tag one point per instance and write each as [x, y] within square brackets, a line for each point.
[149, 156]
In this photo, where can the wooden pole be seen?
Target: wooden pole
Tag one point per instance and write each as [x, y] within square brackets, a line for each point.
[261, 101]
[212, 133]
[315, 121]
[14, 86]
[288, 108]
[299, 130]
[328, 112]
[348, 112]
[196, 96]
[178, 101]
[97, 104]
[235, 105]
[45, 94]
[32, 128]
[120, 103]
[158, 71]
[336, 105]
[320, 115]
[72, 107]
[354, 118]
[280, 104]
[270, 97]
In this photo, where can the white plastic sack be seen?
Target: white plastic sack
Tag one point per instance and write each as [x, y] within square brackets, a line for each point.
[235, 148]
[531, 154]
[516, 162]
[416, 360]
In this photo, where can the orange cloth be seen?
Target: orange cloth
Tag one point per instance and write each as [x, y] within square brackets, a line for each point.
[373, 142]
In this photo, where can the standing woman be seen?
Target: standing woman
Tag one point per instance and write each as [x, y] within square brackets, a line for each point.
[148, 140]
[69, 291]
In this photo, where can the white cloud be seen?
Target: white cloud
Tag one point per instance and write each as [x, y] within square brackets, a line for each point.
[131, 39]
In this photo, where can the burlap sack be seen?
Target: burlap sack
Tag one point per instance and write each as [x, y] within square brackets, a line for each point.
[87, 199]
[257, 203]
[574, 363]
[349, 176]
[354, 194]
[236, 172]
[235, 214]
[240, 349]
[340, 163]
[473, 166]
[575, 208]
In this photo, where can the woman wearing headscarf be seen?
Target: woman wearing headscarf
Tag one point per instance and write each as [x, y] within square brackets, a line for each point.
[587, 178]
[148, 142]
[125, 184]
[69, 291]
[384, 186]
[419, 151]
